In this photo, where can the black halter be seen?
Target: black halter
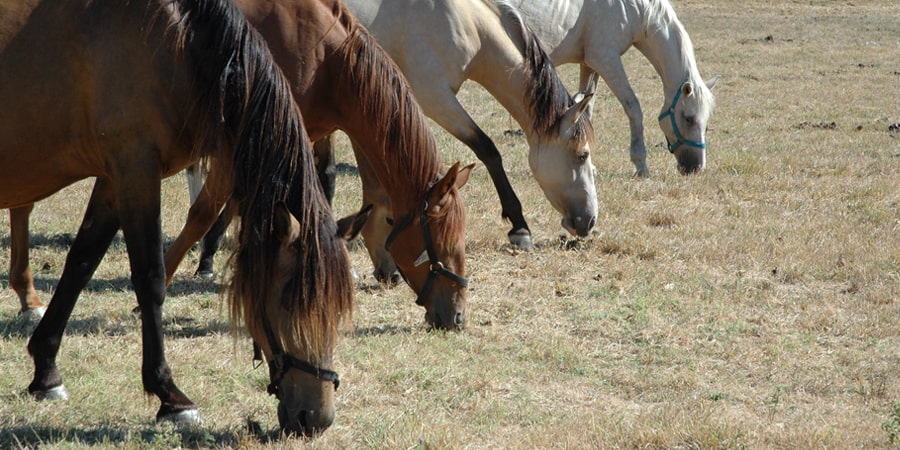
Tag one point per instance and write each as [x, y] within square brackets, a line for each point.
[281, 362]
[436, 267]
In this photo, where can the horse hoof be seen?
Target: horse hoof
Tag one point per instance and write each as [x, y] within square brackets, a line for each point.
[34, 313]
[206, 274]
[521, 239]
[184, 417]
[54, 393]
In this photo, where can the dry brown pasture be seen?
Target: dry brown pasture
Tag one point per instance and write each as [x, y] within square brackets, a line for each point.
[754, 306]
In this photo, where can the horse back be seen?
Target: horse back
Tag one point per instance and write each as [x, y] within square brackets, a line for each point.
[74, 98]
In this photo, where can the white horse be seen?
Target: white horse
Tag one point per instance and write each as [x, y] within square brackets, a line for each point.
[595, 34]
[439, 44]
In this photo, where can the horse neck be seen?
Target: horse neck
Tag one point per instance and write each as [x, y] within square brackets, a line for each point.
[404, 169]
[670, 51]
[499, 67]
[385, 123]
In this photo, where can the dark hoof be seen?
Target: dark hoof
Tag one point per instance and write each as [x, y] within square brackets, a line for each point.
[388, 280]
[179, 416]
[54, 393]
[206, 274]
[521, 239]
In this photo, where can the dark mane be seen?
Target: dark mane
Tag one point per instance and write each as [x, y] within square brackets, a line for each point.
[550, 99]
[260, 123]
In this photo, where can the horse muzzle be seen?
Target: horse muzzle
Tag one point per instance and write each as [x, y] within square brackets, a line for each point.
[304, 422]
[580, 225]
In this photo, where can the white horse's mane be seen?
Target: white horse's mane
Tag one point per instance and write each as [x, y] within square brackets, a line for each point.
[659, 17]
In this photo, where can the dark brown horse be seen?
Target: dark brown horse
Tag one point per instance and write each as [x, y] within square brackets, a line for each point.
[343, 80]
[131, 92]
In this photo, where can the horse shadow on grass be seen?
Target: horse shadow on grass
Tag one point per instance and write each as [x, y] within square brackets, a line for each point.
[164, 436]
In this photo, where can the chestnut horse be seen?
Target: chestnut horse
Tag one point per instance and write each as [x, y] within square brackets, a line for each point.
[342, 79]
[131, 92]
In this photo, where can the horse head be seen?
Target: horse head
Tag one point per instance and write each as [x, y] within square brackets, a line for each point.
[297, 338]
[684, 122]
[561, 163]
[436, 272]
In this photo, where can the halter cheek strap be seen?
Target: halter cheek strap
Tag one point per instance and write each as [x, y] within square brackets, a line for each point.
[680, 140]
[436, 267]
[281, 362]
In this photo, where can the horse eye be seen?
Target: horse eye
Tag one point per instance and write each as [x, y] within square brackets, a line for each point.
[690, 120]
[583, 156]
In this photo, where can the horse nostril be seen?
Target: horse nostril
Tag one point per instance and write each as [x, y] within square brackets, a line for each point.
[459, 319]
[592, 223]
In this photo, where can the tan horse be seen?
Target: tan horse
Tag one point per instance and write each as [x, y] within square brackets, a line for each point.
[130, 92]
[440, 44]
[343, 80]
[595, 34]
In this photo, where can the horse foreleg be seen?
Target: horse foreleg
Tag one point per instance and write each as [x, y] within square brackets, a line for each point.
[520, 234]
[20, 277]
[323, 149]
[201, 216]
[610, 68]
[209, 245]
[194, 180]
[450, 115]
[376, 229]
[138, 206]
[97, 230]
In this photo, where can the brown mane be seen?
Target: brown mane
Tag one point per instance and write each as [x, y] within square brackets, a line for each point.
[381, 88]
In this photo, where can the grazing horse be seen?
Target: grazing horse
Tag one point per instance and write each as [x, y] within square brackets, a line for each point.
[595, 34]
[131, 92]
[342, 79]
[440, 44]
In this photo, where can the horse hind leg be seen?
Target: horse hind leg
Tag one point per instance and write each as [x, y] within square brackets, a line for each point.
[446, 110]
[20, 276]
[97, 231]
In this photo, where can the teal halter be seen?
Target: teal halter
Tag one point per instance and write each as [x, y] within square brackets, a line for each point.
[671, 113]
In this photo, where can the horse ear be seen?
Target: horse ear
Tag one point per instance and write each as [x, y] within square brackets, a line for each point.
[282, 222]
[582, 101]
[591, 87]
[463, 176]
[711, 83]
[350, 226]
[455, 177]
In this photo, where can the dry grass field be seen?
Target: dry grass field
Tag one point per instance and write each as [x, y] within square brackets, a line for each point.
[754, 306]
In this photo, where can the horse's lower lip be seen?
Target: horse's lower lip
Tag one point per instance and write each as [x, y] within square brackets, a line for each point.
[567, 224]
